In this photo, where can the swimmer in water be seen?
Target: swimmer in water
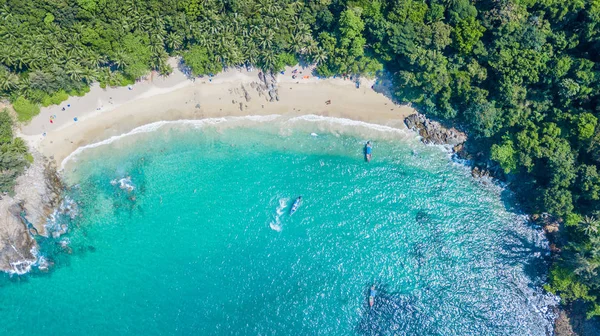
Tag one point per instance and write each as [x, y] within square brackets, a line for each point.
[372, 294]
[368, 150]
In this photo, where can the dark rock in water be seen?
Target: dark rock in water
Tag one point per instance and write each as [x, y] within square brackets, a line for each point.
[91, 248]
[433, 132]
[422, 217]
[477, 172]
[461, 152]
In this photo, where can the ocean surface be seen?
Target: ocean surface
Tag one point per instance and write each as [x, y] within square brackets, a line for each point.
[183, 228]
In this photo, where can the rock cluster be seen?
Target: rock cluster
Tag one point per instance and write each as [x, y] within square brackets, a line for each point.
[433, 132]
[38, 192]
[267, 86]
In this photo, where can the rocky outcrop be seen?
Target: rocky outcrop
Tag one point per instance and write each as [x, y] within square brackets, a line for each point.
[246, 94]
[16, 243]
[432, 132]
[554, 228]
[37, 193]
[267, 86]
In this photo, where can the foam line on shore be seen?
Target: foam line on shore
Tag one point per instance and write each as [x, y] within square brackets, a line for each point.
[158, 124]
[350, 122]
[256, 118]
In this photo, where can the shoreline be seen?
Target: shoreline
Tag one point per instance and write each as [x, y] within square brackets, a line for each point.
[229, 94]
[103, 114]
[232, 93]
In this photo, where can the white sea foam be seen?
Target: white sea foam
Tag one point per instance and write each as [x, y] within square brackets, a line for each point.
[157, 125]
[56, 223]
[24, 265]
[276, 223]
[349, 122]
[21, 267]
[126, 184]
[254, 118]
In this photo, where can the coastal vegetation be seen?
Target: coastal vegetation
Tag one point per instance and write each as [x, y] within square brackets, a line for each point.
[13, 153]
[522, 77]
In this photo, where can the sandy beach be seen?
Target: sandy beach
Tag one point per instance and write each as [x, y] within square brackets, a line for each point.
[104, 113]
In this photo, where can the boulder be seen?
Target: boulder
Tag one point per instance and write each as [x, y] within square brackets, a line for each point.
[432, 132]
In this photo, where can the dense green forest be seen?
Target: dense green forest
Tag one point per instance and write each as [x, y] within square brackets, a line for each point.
[13, 153]
[522, 77]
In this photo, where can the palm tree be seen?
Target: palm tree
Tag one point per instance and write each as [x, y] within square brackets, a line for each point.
[74, 70]
[174, 41]
[33, 58]
[589, 225]
[320, 56]
[19, 146]
[5, 13]
[269, 59]
[6, 57]
[119, 58]
[89, 75]
[9, 81]
[586, 267]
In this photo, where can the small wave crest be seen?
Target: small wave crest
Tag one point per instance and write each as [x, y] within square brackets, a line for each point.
[276, 222]
[57, 223]
[124, 183]
[342, 122]
[349, 122]
[157, 125]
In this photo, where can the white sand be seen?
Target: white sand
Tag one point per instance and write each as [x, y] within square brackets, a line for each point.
[104, 113]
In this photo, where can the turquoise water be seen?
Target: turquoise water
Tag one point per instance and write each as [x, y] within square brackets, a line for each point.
[185, 230]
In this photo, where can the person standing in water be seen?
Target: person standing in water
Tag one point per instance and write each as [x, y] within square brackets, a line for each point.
[368, 150]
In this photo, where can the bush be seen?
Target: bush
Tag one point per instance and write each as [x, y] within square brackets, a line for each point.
[25, 109]
[572, 219]
[505, 155]
[201, 62]
[564, 282]
[124, 81]
[6, 132]
[285, 59]
[82, 91]
[55, 99]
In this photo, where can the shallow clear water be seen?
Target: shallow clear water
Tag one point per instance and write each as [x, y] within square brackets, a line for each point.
[203, 244]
